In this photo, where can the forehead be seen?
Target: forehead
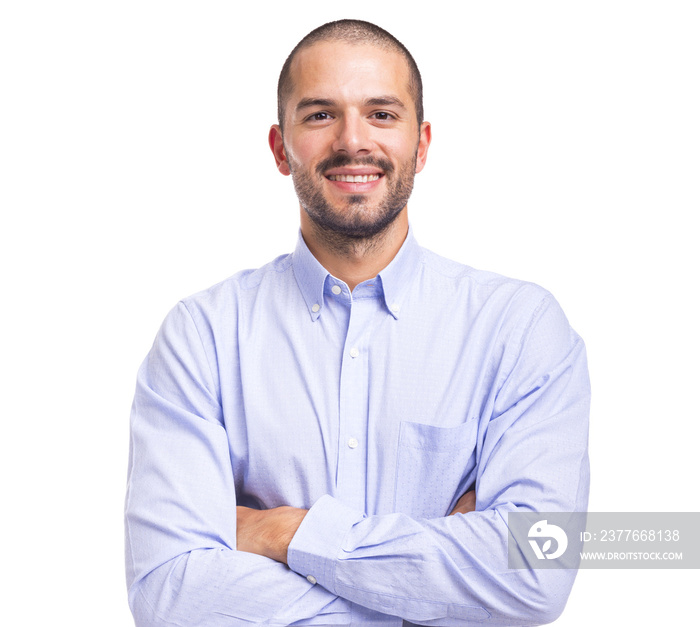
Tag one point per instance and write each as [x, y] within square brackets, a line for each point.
[349, 72]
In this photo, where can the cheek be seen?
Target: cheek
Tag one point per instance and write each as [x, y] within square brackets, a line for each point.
[308, 149]
[400, 147]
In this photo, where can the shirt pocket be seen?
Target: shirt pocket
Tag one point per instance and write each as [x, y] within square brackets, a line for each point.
[432, 463]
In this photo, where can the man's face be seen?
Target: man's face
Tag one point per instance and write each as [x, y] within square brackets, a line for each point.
[351, 138]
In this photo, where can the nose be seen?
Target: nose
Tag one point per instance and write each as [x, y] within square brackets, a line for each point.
[353, 135]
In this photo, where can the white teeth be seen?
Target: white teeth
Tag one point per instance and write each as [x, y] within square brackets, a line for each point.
[348, 178]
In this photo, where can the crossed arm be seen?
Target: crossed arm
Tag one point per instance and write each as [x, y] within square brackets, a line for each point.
[188, 563]
[269, 532]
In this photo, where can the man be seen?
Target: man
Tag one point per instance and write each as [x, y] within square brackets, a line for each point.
[337, 438]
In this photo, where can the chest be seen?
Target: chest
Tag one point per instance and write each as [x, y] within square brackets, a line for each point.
[381, 412]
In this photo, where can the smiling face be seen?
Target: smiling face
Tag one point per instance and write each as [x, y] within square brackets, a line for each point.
[351, 138]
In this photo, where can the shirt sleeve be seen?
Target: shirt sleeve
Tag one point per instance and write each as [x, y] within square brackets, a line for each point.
[532, 456]
[182, 564]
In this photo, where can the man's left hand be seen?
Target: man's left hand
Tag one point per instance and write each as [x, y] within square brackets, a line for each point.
[267, 532]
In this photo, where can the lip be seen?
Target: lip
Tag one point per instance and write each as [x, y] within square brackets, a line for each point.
[352, 187]
[353, 171]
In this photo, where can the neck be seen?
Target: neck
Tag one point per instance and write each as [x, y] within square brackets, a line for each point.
[354, 260]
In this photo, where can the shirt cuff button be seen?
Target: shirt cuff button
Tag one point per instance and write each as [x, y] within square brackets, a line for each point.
[311, 579]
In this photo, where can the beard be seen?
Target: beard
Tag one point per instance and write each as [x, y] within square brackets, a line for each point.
[357, 219]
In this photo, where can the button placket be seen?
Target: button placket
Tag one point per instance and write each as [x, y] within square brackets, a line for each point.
[352, 469]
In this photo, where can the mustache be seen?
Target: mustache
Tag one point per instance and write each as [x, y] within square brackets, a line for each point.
[341, 160]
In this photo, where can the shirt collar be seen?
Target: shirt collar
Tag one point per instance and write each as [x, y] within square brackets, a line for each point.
[395, 278]
[310, 276]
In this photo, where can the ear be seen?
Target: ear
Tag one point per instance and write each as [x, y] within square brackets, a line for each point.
[274, 139]
[423, 145]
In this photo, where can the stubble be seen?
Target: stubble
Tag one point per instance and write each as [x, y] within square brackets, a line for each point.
[356, 226]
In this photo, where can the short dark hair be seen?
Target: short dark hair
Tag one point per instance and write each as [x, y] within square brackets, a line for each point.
[354, 32]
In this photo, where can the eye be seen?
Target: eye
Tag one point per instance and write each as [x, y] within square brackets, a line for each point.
[383, 116]
[320, 116]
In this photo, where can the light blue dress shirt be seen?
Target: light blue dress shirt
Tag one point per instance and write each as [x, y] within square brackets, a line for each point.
[376, 409]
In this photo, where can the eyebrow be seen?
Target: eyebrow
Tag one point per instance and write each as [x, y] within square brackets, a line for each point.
[305, 103]
[384, 101]
[380, 101]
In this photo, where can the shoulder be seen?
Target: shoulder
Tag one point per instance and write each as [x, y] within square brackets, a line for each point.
[524, 320]
[221, 303]
[515, 310]
[232, 288]
[481, 288]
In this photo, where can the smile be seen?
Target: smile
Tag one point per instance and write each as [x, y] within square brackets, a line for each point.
[348, 178]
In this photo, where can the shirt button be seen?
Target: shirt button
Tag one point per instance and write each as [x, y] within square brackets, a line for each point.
[311, 579]
[336, 289]
[316, 308]
[396, 308]
[353, 443]
[354, 352]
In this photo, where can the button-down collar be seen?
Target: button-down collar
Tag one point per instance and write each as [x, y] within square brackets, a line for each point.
[310, 276]
[397, 277]
[394, 280]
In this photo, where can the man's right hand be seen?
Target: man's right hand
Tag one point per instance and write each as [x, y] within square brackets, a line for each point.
[466, 503]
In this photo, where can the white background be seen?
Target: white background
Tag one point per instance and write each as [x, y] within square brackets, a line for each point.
[134, 170]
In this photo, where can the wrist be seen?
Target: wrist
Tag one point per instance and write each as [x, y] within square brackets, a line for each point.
[281, 523]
